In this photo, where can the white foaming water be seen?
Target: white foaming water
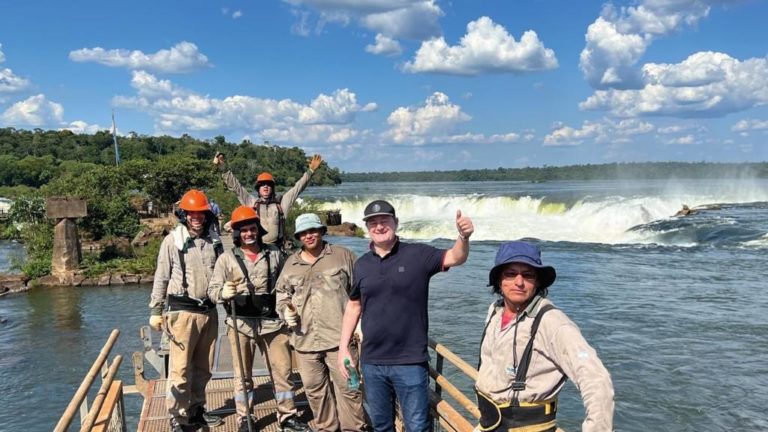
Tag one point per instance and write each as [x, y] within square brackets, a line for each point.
[601, 220]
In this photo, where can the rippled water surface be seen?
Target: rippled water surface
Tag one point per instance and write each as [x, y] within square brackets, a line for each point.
[681, 325]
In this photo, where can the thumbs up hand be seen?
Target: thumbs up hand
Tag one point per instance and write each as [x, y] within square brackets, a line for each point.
[464, 225]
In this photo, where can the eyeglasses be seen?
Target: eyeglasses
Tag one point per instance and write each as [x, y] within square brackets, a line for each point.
[528, 276]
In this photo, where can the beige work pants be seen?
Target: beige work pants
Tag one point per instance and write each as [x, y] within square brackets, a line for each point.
[276, 351]
[331, 401]
[191, 351]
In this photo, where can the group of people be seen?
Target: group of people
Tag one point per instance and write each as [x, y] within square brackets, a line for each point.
[315, 300]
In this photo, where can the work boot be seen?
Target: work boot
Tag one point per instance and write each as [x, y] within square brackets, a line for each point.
[176, 426]
[243, 424]
[293, 424]
[201, 418]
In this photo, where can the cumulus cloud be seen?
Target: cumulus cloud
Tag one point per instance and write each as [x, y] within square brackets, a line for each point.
[602, 131]
[325, 119]
[10, 82]
[81, 127]
[396, 19]
[384, 46]
[237, 14]
[619, 37]
[683, 140]
[413, 125]
[35, 111]
[486, 48]
[706, 84]
[749, 125]
[183, 57]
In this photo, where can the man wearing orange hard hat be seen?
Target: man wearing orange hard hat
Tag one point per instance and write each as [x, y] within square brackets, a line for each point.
[244, 280]
[271, 208]
[180, 306]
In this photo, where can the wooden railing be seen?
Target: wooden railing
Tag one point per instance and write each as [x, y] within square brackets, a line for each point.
[107, 411]
[444, 412]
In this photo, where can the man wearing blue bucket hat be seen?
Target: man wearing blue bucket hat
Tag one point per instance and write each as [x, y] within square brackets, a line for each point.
[529, 349]
[312, 291]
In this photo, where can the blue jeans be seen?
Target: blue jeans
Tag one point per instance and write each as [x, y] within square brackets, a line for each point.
[409, 383]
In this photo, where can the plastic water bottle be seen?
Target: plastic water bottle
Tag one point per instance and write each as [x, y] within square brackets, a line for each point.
[353, 382]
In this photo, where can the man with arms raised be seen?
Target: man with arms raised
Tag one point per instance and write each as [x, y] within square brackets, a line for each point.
[390, 290]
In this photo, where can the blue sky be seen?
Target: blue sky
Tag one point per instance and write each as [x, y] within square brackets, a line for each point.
[381, 85]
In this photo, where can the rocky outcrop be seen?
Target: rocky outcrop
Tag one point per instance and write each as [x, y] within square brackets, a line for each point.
[13, 283]
[346, 229]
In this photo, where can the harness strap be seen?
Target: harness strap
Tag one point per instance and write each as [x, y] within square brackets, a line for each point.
[280, 217]
[183, 265]
[255, 305]
[525, 360]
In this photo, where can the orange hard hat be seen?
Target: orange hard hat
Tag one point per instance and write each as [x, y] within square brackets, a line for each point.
[265, 177]
[242, 214]
[194, 200]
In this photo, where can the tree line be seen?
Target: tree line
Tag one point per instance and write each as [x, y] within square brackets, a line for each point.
[608, 171]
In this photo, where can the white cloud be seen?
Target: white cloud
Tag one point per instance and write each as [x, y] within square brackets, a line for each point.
[326, 119]
[237, 14]
[486, 48]
[10, 82]
[706, 84]
[81, 127]
[620, 37]
[470, 138]
[2, 56]
[35, 111]
[750, 124]
[413, 125]
[385, 46]
[181, 58]
[683, 140]
[604, 131]
[397, 19]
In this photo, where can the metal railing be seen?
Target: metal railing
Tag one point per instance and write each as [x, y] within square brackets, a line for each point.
[107, 412]
[447, 416]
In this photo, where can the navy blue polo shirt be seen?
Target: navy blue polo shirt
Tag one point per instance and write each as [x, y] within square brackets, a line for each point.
[393, 293]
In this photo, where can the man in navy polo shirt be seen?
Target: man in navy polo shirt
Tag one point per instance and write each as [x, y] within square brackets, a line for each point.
[390, 289]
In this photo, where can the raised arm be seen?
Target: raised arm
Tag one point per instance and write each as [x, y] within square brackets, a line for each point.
[458, 254]
[243, 196]
[293, 193]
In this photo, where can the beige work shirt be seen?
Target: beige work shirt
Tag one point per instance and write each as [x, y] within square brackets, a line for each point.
[199, 257]
[269, 214]
[559, 350]
[320, 292]
[227, 269]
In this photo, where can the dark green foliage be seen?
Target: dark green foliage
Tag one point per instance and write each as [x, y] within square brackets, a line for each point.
[38, 242]
[643, 170]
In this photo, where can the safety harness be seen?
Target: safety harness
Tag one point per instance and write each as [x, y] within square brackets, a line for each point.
[254, 305]
[517, 416]
[280, 216]
[184, 302]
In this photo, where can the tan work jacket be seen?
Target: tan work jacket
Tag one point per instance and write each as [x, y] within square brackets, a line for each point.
[268, 213]
[199, 257]
[558, 348]
[227, 269]
[319, 291]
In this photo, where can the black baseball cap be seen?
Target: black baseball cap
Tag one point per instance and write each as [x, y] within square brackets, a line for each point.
[378, 208]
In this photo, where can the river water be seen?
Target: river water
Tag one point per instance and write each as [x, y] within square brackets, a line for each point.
[675, 307]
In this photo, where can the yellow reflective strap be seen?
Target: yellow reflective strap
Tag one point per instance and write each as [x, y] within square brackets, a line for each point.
[534, 428]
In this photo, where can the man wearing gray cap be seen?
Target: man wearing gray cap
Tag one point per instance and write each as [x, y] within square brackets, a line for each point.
[390, 289]
[312, 291]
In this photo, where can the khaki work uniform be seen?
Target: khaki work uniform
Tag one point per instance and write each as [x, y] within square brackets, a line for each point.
[192, 334]
[559, 352]
[320, 291]
[270, 336]
[269, 214]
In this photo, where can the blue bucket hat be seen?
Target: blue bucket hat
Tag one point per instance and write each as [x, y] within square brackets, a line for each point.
[525, 253]
[308, 221]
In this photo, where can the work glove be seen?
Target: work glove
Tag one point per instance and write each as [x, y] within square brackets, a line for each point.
[218, 160]
[291, 316]
[156, 322]
[315, 162]
[229, 291]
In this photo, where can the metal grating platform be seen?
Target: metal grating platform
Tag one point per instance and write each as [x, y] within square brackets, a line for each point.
[155, 418]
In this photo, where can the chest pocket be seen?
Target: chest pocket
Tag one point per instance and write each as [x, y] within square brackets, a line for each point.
[335, 279]
[299, 290]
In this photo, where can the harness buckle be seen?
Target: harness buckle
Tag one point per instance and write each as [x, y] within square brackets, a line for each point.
[518, 385]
